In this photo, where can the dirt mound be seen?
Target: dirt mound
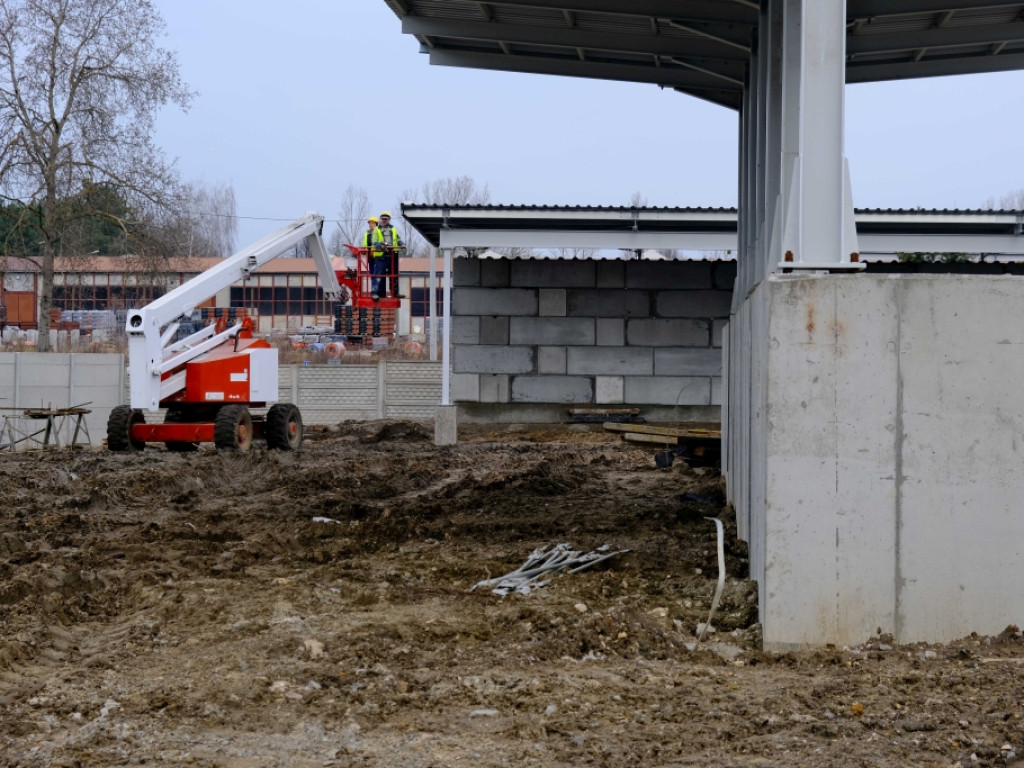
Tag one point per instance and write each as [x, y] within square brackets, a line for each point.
[315, 608]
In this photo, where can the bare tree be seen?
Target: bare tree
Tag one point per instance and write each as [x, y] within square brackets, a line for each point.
[415, 244]
[573, 253]
[213, 220]
[80, 84]
[1012, 201]
[352, 215]
[461, 190]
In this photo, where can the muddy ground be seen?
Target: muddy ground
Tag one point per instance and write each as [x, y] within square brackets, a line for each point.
[186, 609]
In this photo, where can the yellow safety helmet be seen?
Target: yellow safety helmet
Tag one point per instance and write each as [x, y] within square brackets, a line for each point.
[386, 213]
[373, 219]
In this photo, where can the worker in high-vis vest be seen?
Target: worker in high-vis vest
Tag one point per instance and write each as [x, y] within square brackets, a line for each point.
[373, 242]
[393, 243]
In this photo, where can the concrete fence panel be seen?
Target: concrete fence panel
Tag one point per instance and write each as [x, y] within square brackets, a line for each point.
[325, 394]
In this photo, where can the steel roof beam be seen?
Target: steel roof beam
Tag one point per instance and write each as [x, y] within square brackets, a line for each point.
[703, 10]
[857, 9]
[668, 77]
[949, 65]
[939, 37]
[575, 38]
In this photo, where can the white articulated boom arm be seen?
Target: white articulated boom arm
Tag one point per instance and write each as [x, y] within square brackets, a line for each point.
[151, 327]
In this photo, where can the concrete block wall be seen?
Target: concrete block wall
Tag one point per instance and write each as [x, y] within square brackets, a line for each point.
[596, 332]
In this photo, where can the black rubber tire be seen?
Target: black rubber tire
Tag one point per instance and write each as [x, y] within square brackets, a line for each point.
[283, 428]
[119, 429]
[232, 429]
[178, 415]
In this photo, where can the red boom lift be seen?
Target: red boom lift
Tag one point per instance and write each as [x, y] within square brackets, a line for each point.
[209, 380]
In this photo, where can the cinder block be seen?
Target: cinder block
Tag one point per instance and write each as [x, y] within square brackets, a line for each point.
[494, 301]
[723, 275]
[552, 330]
[608, 302]
[494, 273]
[465, 387]
[668, 390]
[611, 332]
[492, 358]
[552, 389]
[551, 360]
[494, 330]
[716, 390]
[552, 273]
[611, 273]
[693, 303]
[687, 362]
[668, 274]
[494, 389]
[718, 332]
[638, 361]
[552, 302]
[609, 389]
[465, 273]
[650, 332]
[466, 330]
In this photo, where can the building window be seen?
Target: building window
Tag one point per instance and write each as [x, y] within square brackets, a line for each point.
[288, 301]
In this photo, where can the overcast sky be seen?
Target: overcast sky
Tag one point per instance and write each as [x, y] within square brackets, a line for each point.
[297, 100]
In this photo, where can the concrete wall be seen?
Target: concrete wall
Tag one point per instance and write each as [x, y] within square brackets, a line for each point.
[875, 426]
[390, 389]
[325, 394]
[56, 380]
[528, 334]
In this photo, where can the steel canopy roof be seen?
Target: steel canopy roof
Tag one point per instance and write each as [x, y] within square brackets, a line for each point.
[547, 226]
[702, 47]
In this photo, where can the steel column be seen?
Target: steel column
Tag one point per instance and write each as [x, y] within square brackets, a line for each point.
[446, 350]
[822, 104]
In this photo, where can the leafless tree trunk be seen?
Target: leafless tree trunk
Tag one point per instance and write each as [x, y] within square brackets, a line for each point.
[80, 84]
[352, 215]
[211, 219]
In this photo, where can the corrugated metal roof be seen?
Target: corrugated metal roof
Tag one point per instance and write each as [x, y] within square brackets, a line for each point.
[701, 47]
[576, 228]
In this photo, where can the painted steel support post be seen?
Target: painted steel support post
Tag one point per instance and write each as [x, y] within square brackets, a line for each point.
[446, 349]
[820, 176]
[759, 78]
[771, 243]
[432, 305]
[790, 117]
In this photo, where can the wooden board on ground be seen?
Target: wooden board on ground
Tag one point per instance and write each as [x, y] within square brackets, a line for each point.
[677, 432]
[589, 411]
[639, 437]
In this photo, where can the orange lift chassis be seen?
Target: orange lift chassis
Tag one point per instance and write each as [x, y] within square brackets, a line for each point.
[209, 381]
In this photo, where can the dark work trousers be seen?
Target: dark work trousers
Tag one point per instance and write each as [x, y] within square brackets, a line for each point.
[393, 269]
[378, 267]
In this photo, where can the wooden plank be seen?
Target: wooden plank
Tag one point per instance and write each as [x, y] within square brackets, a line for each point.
[650, 429]
[633, 437]
[609, 411]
